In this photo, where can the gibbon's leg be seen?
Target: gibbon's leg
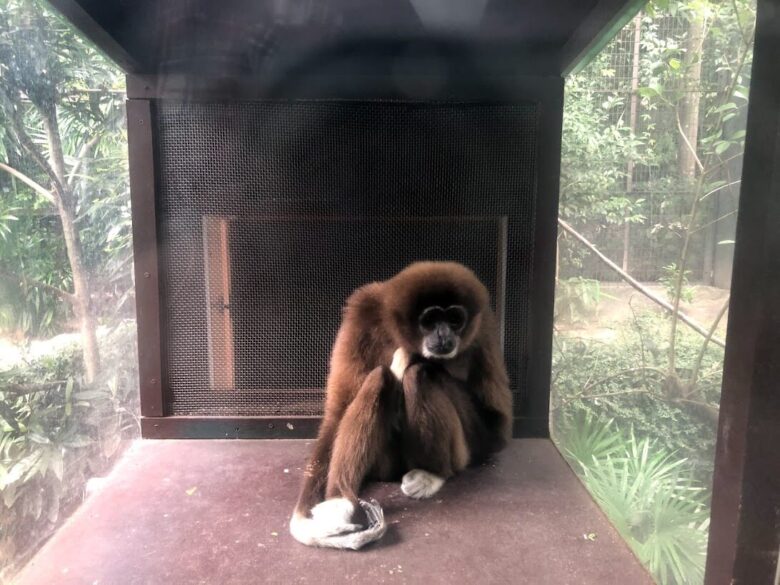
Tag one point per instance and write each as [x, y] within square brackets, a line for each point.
[364, 434]
[316, 471]
[435, 444]
[359, 441]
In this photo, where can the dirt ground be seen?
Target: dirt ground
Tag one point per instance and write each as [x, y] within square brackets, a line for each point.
[618, 299]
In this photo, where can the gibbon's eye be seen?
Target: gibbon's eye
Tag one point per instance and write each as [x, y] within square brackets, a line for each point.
[456, 316]
[431, 317]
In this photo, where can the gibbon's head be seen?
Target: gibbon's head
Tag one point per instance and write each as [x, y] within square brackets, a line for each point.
[435, 308]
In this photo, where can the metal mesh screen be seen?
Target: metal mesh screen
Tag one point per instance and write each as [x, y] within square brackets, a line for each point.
[271, 213]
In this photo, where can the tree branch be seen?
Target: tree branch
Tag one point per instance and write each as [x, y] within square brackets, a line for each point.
[82, 154]
[30, 388]
[702, 350]
[688, 142]
[708, 410]
[616, 393]
[17, 127]
[714, 221]
[637, 285]
[619, 374]
[37, 187]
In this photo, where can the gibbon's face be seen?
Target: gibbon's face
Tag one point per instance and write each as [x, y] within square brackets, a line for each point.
[441, 329]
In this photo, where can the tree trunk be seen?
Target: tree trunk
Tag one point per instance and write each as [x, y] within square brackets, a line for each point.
[632, 125]
[66, 207]
[689, 105]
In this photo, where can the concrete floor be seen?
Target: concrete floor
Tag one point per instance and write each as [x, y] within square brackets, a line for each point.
[216, 512]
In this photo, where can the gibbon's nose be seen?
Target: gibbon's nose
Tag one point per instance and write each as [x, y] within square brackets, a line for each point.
[445, 346]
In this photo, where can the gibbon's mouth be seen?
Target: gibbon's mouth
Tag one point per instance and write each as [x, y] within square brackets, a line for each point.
[437, 354]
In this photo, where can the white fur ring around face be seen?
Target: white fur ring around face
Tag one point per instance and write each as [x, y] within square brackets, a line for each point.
[420, 484]
[400, 363]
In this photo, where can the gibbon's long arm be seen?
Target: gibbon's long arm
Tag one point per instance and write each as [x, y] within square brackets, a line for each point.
[354, 427]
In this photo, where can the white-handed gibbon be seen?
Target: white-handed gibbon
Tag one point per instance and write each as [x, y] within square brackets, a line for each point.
[417, 391]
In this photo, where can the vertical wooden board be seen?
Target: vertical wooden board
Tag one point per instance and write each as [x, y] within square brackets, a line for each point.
[142, 195]
[542, 294]
[216, 257]
[745, 527]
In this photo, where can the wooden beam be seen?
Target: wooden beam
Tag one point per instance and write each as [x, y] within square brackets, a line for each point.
[103, 40]
[147, 289]
[229, 427]
[595, 31]
[745, 527]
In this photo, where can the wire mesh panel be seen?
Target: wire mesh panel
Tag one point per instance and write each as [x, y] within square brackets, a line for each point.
[271, 213]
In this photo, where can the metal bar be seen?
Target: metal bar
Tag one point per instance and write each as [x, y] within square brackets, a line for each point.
[745, 527]
[211, 427]
[147, 293]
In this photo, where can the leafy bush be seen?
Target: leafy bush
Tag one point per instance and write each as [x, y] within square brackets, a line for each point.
[626, 380]
[670, 274]
[56, 433]
[576, 298]
[649, 494]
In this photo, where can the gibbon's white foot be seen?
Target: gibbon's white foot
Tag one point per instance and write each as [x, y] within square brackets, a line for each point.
[400, 363]
[330, 525]
[334, 516]
[421, 484]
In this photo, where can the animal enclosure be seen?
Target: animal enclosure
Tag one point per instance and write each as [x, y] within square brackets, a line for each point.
[282, 153]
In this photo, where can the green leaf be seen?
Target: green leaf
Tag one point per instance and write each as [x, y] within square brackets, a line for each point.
[8, 415]
[56, 462]
[725, 107]
[647, 92]
[721, 147]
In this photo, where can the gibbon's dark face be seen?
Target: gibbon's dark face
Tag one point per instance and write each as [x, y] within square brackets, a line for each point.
[441, 329]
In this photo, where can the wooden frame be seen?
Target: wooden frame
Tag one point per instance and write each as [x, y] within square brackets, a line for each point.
[745, 527]
[217, 258]
[145, 249]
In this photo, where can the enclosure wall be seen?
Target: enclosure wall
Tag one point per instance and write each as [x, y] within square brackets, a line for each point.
[255, 218]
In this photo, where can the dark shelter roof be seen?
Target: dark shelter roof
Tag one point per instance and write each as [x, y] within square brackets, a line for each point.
[252, 37]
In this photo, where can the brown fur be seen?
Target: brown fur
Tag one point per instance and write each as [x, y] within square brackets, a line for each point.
[443, 416]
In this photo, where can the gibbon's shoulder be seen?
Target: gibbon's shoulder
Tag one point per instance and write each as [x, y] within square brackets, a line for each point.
[365, 303]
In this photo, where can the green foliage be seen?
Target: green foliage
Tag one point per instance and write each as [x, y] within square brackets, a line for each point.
[44, 67]
[602, 147]
[631, 408]
[56, 432]
[625, 380]
[576, 298]
[651, 498]
[649, 493]
[670, 275]
[585, 439]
